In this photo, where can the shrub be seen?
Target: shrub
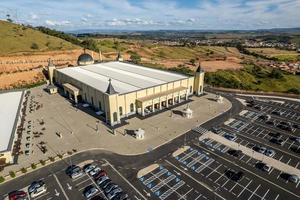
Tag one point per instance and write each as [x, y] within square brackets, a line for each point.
[51, 159]
[60, 156]
[2, 179]
[34, 46]
[294, 91]
[12, 174]
[42, 162]
[33, 166]
[276, 73]
[24, 170]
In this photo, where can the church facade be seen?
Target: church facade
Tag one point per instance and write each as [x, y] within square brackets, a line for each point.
[118, 89]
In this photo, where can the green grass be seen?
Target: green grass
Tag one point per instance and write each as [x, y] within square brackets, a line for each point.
[16, 38]
[256, 79]
[290, 58]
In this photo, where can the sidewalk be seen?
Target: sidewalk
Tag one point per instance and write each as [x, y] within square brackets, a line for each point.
[253, 154]
[264, 96]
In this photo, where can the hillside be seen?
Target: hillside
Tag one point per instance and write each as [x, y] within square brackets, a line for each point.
[255, 78]
[19, 39]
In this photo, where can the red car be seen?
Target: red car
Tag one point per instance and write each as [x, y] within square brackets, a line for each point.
[18, 195]
[99, 174]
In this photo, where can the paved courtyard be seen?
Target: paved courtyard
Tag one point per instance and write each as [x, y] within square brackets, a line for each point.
[60, 127]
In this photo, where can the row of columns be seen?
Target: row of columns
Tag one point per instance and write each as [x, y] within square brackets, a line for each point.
[167, 102]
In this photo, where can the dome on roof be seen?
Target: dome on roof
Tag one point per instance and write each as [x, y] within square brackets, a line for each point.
[85, 59]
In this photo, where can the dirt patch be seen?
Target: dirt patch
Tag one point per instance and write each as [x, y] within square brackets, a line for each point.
[18, 79]
[26, 68]
[212, 66]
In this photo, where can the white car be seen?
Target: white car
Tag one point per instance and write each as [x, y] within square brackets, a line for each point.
[89, 168]
[95, 171]
[38, 191]
[113, 193]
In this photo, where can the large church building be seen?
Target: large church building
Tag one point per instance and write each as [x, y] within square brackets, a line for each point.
[119, 89]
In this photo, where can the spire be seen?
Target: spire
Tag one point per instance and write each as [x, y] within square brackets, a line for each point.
[119, 56]
[199, 69]
[110, 89]
[50, 63]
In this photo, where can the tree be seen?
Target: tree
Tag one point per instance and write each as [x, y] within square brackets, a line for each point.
[8, 18]
[135, 58]
[276, 73]
[193, 61]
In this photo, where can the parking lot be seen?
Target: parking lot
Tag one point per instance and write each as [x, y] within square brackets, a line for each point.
[166, 183]
[60, 186]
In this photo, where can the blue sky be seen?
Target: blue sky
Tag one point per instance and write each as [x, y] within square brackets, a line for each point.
[154, 14]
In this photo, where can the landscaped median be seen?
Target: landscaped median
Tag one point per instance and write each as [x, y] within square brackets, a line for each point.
[34, 166]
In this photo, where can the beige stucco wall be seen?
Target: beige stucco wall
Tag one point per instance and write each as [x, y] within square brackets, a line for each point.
[7, 156]
[112, 103]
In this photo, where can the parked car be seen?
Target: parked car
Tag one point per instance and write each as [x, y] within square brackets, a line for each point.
[97, 198]
[215, 129]
[263, 166]
[89, 167]
[90, 191]
[34, 185]
[110, 187]
[276, 141]
[274, 135]
[76, 172]
[37, 189]
[114, 192]
[269, 122]
[100, 174]
[265, 117]
[269, 152]
[18, 195]
[230, 136]
[257, 107]
[293, 178]
[121, 196]
[95, 171]
[295, 139]
[259, 149]
[100, 180]
[235, 153]
[104, 184]
[235, 176]
[279, 113]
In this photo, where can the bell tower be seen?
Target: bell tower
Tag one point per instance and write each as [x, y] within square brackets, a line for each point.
[51, 69]
[199, 81]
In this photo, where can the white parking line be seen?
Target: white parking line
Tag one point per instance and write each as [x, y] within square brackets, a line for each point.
[233, 186]
[245, 188]
[81, 182]
[42, 195]
[125, 179]
[254, 192]
[213, 171]
[276, 197]
[265, 194]
[59, 184]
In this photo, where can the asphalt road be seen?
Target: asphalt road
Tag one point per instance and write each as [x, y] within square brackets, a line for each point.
[208, 182]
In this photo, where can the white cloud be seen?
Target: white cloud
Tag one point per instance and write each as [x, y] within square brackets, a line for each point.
[57, 23]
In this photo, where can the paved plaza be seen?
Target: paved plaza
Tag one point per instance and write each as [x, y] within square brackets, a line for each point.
[59, 127]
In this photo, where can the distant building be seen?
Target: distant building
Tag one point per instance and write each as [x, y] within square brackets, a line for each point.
[119, 89]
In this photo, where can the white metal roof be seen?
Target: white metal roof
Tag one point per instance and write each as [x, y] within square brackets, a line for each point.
[9, 106]
[125, 77]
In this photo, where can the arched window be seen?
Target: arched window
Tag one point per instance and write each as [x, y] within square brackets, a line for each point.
[131, 107]
[100, 107]
[120, 110]
[115, 117]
